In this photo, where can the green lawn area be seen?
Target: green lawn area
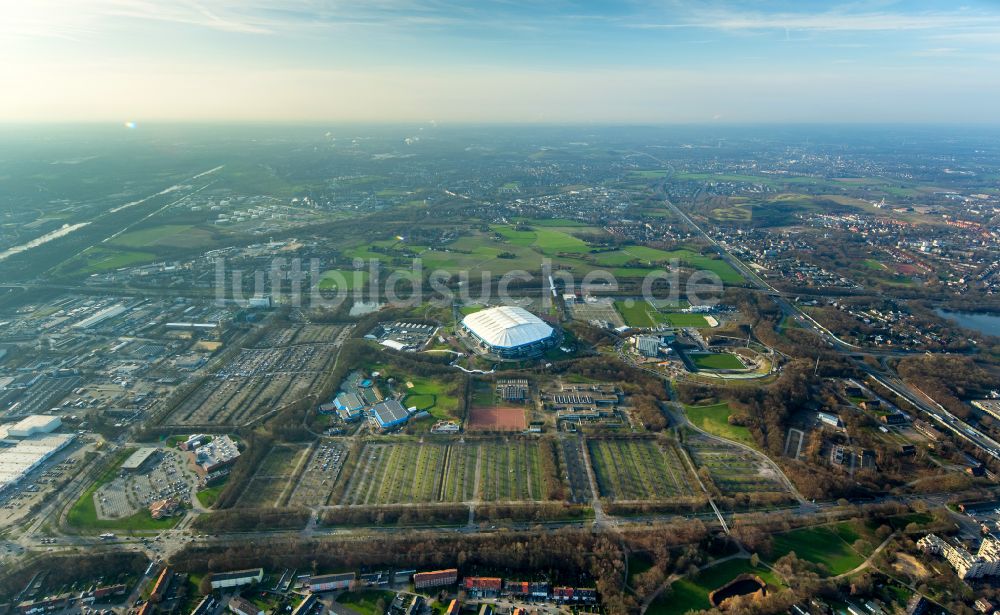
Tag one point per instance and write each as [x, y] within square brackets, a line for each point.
[364, 601]
[208, 496]
[99, 259]
[624, 256]
[715, 420]
[333, 279]
[716, 360]
[692, 594]
[650, 174]
[639, 314]
[471, 309]
[820, 545]
[182, 235]
[430, 395]
[514, 236]
[682, 319]
[551, 242]
[83, 514]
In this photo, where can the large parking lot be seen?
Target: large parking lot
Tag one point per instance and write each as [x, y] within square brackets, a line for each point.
[284, 368]
[167, 475]
[320, 474]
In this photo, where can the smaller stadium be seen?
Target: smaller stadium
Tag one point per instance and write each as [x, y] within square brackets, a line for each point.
[509, 332]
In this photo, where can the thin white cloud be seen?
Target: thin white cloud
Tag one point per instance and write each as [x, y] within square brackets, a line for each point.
[830, 21]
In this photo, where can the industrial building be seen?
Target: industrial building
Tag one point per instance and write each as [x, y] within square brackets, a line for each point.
[34, 425]
[96, 319]
[26, 445]
[389, 414]
[509, 332]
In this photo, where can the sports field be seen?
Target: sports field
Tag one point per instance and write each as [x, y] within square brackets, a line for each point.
[640, 314]
[683, 319]
[509, 418]
[716, 360]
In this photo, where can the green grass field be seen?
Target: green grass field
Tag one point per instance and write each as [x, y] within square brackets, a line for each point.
[100, 259]
[682, 319]
[639, 314]
[820, 545]
[208, 497]
[551, 242]
[715, 420]
[692, 594]
[343, 279]
[168, 235]
[716, 360]
[511, 472]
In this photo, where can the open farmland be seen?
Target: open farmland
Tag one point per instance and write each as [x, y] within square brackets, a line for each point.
[638, 470]
[733, 470]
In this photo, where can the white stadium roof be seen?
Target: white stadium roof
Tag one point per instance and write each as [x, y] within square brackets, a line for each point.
[507, 327]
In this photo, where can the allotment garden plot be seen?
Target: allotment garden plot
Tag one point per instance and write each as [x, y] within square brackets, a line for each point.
[733, 469]
[415, 472]
[639, 470]
[271, 485]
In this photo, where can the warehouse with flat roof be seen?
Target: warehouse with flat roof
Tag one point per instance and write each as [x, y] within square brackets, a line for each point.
[137, 459]
[389, 414]
[26, 455]
[509, 332]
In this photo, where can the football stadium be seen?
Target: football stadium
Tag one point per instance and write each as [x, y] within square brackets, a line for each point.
[509, 332]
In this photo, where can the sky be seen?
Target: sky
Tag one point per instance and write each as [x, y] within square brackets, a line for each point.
[548, 61]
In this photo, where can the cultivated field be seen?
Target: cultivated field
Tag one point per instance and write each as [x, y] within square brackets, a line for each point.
[638, 470]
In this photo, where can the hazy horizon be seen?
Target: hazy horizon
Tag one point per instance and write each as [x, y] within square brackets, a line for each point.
[398, 61]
